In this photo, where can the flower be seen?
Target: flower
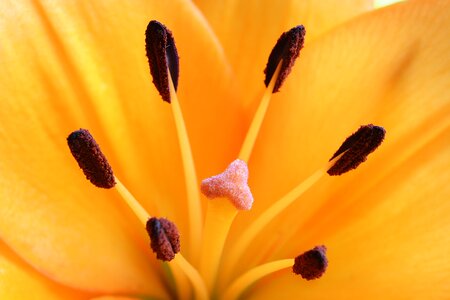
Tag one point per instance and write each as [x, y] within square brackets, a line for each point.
[72, 64]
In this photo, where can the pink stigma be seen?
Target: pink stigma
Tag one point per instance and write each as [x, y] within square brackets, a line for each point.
[232, 184]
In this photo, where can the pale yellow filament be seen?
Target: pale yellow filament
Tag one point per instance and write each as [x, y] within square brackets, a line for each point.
[190, 176]
[219, 217]
[253, 275]
[135, 206]
[258, 118]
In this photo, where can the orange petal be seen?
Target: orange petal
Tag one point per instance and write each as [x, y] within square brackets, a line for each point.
[395, 78]
[19, 281]
[248, 30]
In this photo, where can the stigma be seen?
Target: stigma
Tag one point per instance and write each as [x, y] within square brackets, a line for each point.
[232, 183]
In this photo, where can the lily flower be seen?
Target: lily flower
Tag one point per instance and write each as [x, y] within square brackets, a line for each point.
[382, 228]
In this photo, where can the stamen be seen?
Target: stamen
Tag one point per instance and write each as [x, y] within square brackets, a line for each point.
[164, 236]
[141, 213]
[287, 49]
[233, 193]
[279, 65]
[312, 264]
[250, 277]
[165, 242]
[356, 147]
[162, 57]
[90, 158]
[268, 215]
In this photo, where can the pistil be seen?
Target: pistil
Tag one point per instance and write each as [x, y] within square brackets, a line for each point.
[228, 193]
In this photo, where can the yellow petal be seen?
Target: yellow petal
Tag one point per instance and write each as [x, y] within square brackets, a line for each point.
[78, 64]
[19, 281]
[360, 73]
[248, 30]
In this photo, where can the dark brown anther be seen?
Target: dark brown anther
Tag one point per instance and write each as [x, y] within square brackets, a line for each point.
[287, 49]
[312, 264]
[162, 55]
[90, 158]
[164, 238]
[356, 147]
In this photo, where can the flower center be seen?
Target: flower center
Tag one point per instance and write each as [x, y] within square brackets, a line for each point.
[228, 192]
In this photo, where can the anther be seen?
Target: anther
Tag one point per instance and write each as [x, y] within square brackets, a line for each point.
[232, 183]
[287, 49]
[356, 148]
[162, 57]
[90, 158]
[164, 238]
[312, 264]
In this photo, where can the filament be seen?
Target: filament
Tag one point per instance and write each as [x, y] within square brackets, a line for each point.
[269, 214]
[258, 118]
[253, 275]
[190, 177]
[129, 199]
